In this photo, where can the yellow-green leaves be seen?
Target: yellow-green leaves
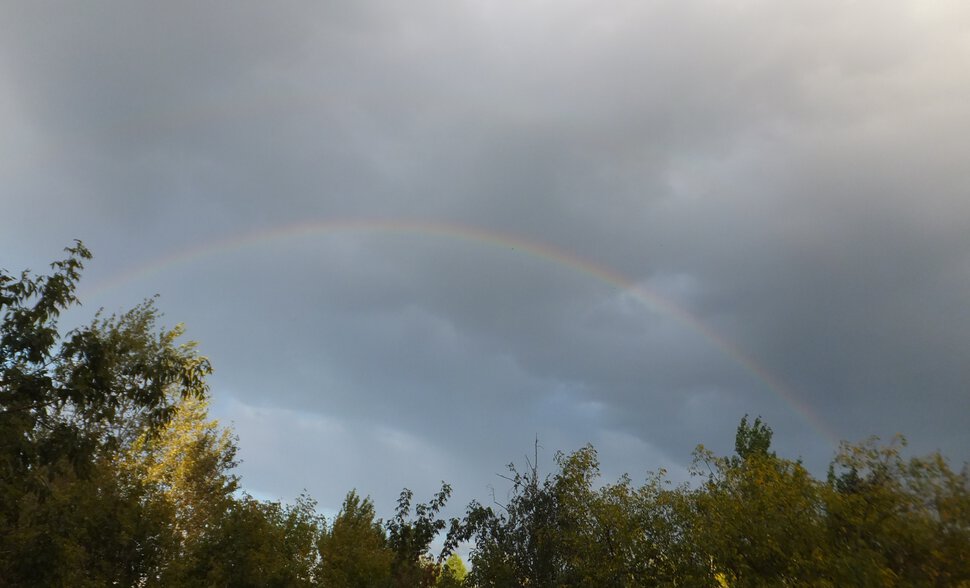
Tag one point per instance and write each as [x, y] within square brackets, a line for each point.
[188, 463]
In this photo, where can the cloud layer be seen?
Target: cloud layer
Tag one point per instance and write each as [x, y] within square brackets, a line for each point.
[789, 176]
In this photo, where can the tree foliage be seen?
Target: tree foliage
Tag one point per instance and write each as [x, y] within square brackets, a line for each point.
[67, 407]
[112, 473]
[750, 519]
[453, 573]
[410, 536]
[354, 551]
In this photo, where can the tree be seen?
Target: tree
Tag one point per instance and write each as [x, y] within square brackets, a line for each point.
[563, 530]
[112, 473]
[453, 573]
[410, 537]
[516, 542]
[189, 462]
[878, 520]
[752, 440]
[755, 521]
[185, 467]
[255, 544]
[897, 521]
[67, 406]
[354, 551]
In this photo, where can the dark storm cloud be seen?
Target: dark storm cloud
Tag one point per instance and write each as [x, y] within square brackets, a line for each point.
[791, 174]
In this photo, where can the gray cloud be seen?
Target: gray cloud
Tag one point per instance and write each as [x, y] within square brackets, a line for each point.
[789, 174]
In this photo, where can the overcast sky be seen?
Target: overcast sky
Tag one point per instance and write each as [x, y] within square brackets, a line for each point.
[619, 222]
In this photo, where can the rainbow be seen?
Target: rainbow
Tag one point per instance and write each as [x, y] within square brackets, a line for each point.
[491, 238]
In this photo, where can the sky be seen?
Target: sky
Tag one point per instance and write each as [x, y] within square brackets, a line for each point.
[414, 237]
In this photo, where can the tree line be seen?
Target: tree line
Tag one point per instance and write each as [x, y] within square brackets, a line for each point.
[113, 473]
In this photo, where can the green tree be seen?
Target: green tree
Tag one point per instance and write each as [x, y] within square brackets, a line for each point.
[354, 552]
[752, 440]
[112, 473]
[565, 530]
[453, 573]
[755, 521]
[67, 407]
[255, 544]
[878, 520]
[189, 463]
[892, 521]
[410, 536]
[516, 543]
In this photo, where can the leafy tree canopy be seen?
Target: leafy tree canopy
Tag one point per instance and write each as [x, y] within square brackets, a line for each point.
[112, 473]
